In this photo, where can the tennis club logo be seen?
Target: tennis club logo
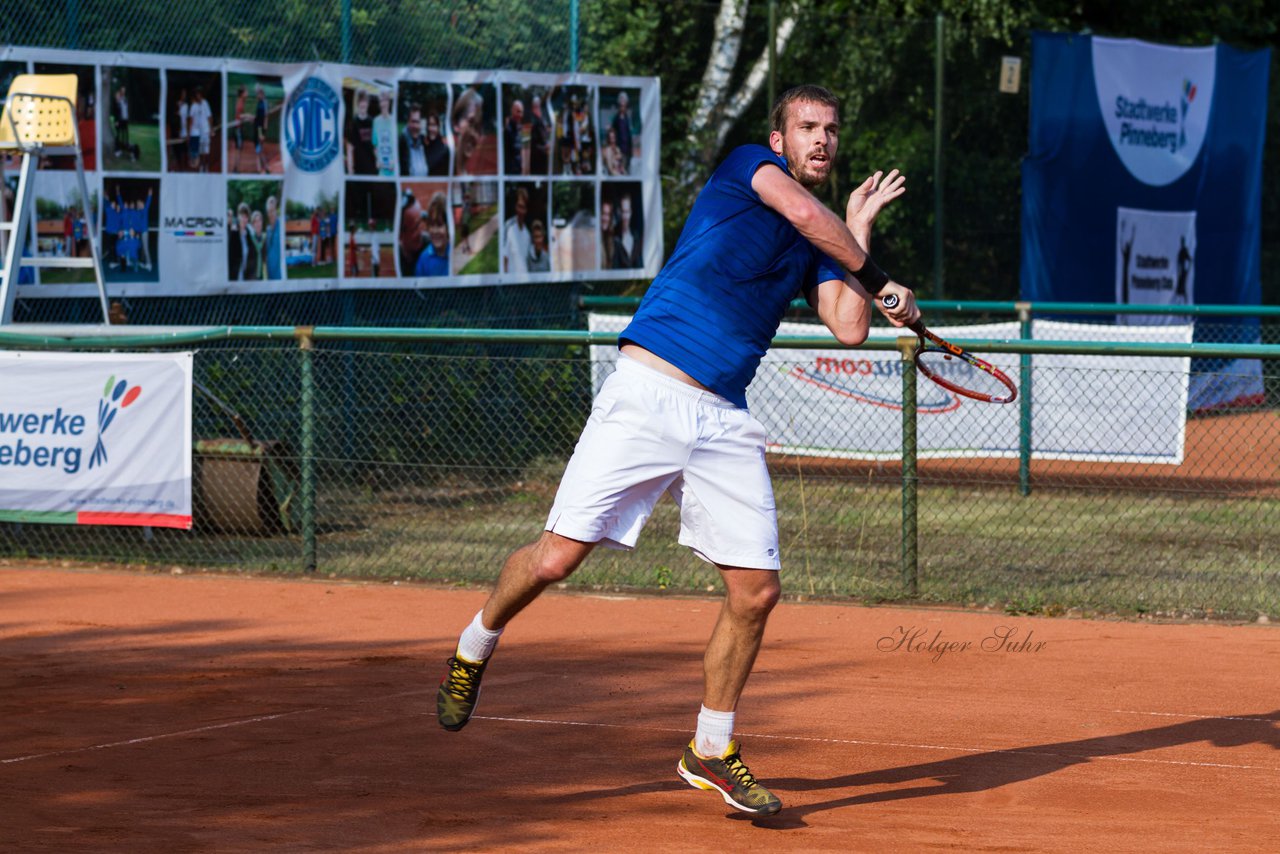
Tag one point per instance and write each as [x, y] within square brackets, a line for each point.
[875, 383]
[311, 125]
[1155, 103]
[115, 396]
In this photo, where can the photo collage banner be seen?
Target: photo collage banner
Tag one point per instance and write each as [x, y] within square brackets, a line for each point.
[219, 176]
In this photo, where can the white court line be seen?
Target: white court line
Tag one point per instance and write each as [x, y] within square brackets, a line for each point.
[1184, 715]
[1015, 751]
[180, 733]
[146, 738]
[546, 722]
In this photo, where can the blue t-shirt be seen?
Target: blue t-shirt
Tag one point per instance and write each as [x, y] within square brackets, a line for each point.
[431, 264]
[716, 304]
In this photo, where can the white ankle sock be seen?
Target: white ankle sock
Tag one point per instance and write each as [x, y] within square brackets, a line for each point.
[477, 642]
[715, 731]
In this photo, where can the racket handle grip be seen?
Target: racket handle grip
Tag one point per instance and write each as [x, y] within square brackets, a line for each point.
[889, 301]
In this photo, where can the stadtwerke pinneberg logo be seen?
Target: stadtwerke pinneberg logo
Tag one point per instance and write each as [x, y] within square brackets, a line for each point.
[115, 396]
[311, 125]
[1155, 103]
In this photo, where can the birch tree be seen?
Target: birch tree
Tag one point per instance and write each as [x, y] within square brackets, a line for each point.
[716, 108]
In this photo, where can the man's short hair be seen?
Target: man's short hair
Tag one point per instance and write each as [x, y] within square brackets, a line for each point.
[807, 92]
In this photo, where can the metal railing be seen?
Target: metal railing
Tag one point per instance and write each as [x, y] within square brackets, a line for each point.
[431, 453]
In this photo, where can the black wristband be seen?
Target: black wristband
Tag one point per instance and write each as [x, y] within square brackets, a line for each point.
[872, 277]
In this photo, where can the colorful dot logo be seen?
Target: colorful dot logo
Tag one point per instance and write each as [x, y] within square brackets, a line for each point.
[115, 396]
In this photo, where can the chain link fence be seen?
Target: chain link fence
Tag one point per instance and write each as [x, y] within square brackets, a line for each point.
[434, 463]
[960, 143]
[461, 34]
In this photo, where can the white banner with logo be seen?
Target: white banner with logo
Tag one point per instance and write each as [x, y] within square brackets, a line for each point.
[88, 438]
[1142, 185]
[221, 176]
[848, 403]
[1155, 255]
[1155, 103]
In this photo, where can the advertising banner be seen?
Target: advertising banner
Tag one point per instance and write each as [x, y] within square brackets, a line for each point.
[218, 176]
[1143, 185]
[96, 439]
[848, 403]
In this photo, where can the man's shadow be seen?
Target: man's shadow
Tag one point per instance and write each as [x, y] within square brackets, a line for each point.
[977, 772]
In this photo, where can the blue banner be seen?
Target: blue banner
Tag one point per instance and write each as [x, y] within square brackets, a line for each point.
[1143, 185]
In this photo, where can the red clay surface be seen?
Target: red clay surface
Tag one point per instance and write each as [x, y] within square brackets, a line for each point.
[205, 713]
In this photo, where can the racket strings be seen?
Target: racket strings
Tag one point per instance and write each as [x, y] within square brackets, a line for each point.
[960, 372]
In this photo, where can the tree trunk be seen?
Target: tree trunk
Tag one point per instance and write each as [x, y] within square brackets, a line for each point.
[715, 111]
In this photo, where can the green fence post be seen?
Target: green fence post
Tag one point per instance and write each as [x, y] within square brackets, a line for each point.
[306, 342]
[910, 480]
[573, 36]
[1024, 402]
[346, 30]
[73, 24]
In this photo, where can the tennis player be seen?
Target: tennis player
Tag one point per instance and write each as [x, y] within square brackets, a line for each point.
[673, 417]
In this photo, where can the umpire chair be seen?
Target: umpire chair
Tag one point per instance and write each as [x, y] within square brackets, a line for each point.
[39, 121]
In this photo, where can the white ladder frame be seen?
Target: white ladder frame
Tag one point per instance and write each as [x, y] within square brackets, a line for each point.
[15, 231]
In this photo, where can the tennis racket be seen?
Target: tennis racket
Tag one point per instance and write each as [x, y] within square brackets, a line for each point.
[955, 369]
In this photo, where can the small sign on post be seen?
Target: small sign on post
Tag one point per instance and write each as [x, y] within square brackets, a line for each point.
[1010, 74]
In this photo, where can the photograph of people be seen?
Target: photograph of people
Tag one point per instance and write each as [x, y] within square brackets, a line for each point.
[130, 231]
[359, 157]
[541, 126]
[86, 116]
[421, 113]
[611, 157]
[475, 144]
[253, 106]
[131, 134]
[514, 141]
[61, 225]
[368, 223]
[608, 226]
[474, 206]
[424, 230]
[199, 131]
[619, 125]
[575, 142]
[525, 201]
[627, 251]
[526, 131]
[254, 239]
[539, 252]
[308, 249]
[384, 134]
[190, 126]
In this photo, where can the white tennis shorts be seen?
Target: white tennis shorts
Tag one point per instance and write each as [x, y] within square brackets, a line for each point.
[649, 434]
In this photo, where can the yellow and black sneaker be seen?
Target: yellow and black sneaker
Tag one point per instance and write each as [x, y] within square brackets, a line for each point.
[728, 775]
[458, 693]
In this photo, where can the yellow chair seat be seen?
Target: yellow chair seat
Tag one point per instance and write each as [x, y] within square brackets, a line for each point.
[40, 112]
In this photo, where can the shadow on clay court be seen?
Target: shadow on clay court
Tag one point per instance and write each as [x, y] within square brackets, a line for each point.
[200, 729]
[977, 772]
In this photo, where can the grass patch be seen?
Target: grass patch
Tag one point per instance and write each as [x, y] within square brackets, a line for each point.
[1111, 552]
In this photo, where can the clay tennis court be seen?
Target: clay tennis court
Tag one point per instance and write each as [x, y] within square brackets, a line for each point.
[197, 712]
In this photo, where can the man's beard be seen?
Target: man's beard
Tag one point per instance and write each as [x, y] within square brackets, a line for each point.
[803, 172]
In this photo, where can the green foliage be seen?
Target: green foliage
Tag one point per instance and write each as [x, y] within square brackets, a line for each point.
[879, 57]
